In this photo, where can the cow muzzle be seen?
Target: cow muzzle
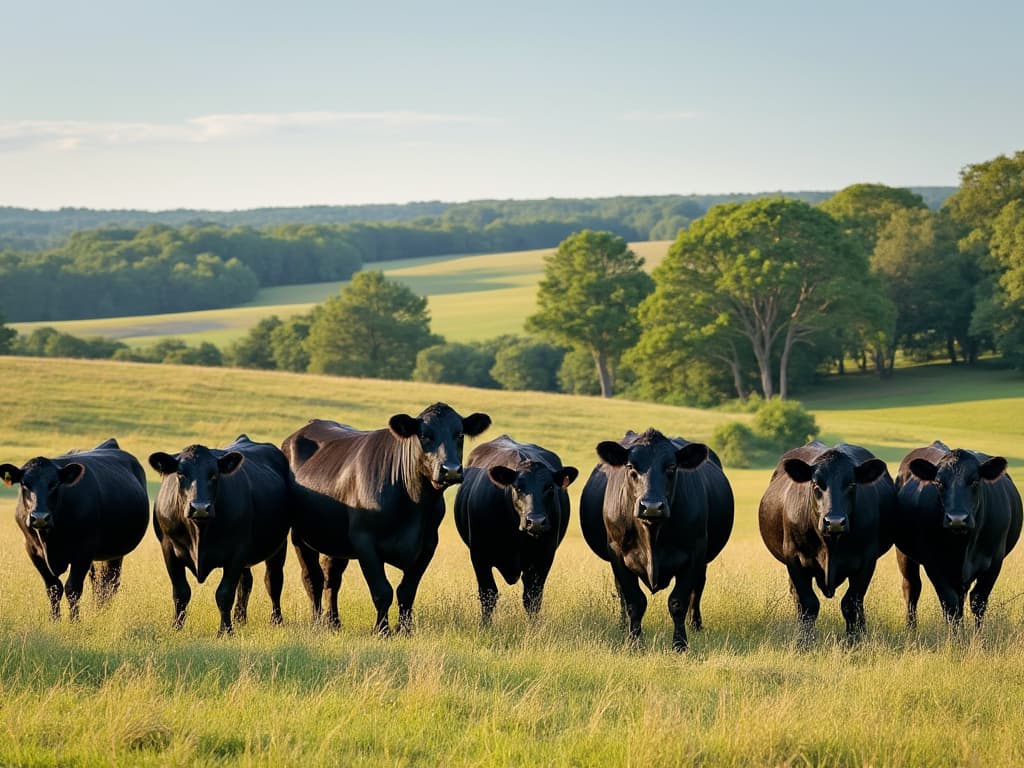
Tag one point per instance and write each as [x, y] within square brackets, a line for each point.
[40, 521]
[958, 523]
[652, 511]
[835, 525]
[449, 474]
[200, 510]
[536, 525]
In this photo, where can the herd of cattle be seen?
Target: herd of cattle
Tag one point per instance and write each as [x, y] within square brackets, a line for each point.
[656, 508]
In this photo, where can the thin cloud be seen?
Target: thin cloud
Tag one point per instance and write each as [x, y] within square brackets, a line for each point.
[661, 117]
[69, 135]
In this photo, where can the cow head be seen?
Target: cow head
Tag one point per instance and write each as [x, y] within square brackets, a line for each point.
[439, 433]
[834, 480]
[650, 462]
[957, 478]
[533, 488]
[42, 484]
[197, 473]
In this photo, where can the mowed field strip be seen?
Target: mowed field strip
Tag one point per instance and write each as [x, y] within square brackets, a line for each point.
[472, 298]
[122, 687]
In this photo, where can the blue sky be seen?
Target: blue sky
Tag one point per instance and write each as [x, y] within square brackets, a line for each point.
[234, 105]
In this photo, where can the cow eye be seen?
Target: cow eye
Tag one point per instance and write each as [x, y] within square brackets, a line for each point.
[941, 486]
[818, 491]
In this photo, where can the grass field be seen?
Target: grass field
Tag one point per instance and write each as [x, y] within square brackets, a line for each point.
[471, 298]
[122, 688]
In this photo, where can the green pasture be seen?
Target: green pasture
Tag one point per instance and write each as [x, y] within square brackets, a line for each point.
[123, 688]
[471, 298]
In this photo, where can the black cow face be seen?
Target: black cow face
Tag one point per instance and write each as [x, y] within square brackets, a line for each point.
[42, 483]
[197, 472]
[834, 479]
[957, 479]
[650, 466]
[533, 488]
[440, 432]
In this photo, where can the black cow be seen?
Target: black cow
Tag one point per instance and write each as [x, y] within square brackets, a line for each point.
[512, 511]
[224, 508]
[827, 516]
[657, 509]
[85, 511]
[377, 497]
[959, 516]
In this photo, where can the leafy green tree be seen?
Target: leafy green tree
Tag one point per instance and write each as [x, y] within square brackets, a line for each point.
[577, 374]
[529, 364]
[454, 363]
[7, 335]
[589, 296]
[288, 344]
[374, 328]
[757, 278]
[205, 354]
[987, 210]
[863, 209]
[254, 350]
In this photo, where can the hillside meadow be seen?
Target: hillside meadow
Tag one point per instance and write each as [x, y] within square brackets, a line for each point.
[121, 687]
[472, 298]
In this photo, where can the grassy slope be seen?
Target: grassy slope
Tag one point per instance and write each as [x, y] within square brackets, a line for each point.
[122, 687]
[471, 298]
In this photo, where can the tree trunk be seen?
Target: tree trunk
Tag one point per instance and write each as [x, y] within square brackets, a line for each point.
[842, 363]
[951, 349]
[737, 381]
[601, 361]
[787, 347]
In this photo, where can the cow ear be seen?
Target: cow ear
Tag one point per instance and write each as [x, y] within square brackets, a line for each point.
[565, 476]
[71, 473]
[404, 426]
[612, 453]
[992, 469]
[475, 423]
[923, 469]
[502, 477]
[229, 462]
[799, 471]
[10, 474]
[869, 471]
[691, 455]
[163, 463]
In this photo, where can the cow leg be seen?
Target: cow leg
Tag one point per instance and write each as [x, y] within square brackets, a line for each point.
[852, 603]
[678, 605]
[628, 585]
[982, 589]
[487, 589]
[534, 577]
[380, 589]
[54, 589]
[410, 583]
[106, 580]
[333, 569]
[226, 595]
[181, 592]
[273, 580]
[700, 579]
[951, 598]
[74, 586]
[911, 572]
[807, 603]
[242, 597]
[312, 575]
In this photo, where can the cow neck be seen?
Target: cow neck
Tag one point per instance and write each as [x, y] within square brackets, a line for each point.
[407, 471]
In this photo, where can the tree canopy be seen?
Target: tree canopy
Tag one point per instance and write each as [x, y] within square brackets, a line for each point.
[588, 298]
[374, 328]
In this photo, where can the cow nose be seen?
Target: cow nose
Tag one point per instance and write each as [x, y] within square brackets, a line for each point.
[200, 509]
[831, 525]
[537, 524]
[451, 473]
[39, 521]
[653, 510]
[957, 522]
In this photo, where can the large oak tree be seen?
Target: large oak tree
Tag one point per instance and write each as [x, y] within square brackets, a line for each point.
[589, 296]
[757, 279]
